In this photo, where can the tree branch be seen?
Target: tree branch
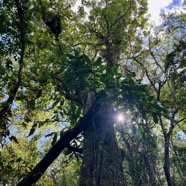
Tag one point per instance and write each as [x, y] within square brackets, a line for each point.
[5, 109]
[55, 151]
[120, 17]
[162, 127]
[179, 121]
[154, 58]
[177, 109]
[146, 72]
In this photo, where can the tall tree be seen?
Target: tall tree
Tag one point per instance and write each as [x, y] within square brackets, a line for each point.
[75, 70]
[166, 76]
[101, 157]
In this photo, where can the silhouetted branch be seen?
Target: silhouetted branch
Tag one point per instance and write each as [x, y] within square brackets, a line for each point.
[55, 151]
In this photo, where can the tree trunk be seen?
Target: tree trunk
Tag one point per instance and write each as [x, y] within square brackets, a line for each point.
[102, 162]
[167, 162]
[150, 171]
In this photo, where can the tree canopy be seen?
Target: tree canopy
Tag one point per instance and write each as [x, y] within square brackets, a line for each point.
[66, 75]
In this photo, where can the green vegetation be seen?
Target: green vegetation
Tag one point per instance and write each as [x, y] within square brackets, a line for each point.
[66, 75]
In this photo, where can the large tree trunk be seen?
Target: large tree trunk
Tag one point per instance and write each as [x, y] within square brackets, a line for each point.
[102, 162]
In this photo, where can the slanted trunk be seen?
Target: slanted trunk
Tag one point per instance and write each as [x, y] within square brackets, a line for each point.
[102, 162]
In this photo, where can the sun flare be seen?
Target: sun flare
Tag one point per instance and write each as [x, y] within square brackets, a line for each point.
[120, 118]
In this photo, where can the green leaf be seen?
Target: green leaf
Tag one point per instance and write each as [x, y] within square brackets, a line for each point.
[7, 132]
[19, 159]
[63, 131]
[13, 138]
[57, 117]
[102, 68]
[32, 130]
[67, 152]
[50, 134]
[98, 61]
[115, 69]
[61, 113]
[78, 112]
[73, 109]
[155, 117]
[62, 102]
[54, 139]
[9, 167]
[86, 58]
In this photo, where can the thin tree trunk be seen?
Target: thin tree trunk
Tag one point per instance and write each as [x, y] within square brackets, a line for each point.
[166, 165]
[167, 162]
[102, 162]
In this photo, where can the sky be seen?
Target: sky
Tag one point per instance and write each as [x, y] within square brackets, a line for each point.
[157, 6]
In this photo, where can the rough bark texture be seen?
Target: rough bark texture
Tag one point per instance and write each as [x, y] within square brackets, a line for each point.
[150, 178]
[102, 162]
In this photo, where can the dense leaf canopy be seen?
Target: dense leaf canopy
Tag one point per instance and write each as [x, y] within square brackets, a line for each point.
[63, 68]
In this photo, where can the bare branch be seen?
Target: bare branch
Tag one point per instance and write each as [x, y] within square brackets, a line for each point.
[177, 109]
[153, 56]
[155, 60]
[179, 121]
[146, 72]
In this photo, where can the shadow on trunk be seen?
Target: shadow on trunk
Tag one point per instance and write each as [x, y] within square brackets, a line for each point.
[102, 162]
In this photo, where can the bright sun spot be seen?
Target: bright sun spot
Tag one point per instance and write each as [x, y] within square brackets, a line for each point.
[120, 118]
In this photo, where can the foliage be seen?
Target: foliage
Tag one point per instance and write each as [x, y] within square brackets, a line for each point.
[57, 65]
[17, 160]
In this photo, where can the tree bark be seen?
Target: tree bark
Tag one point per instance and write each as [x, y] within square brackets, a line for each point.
[102, 162]
[167, 162]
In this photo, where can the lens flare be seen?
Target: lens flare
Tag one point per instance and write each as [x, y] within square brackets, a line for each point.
[120, 118]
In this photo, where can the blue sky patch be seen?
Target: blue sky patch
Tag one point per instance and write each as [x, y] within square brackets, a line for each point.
[174, 4]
